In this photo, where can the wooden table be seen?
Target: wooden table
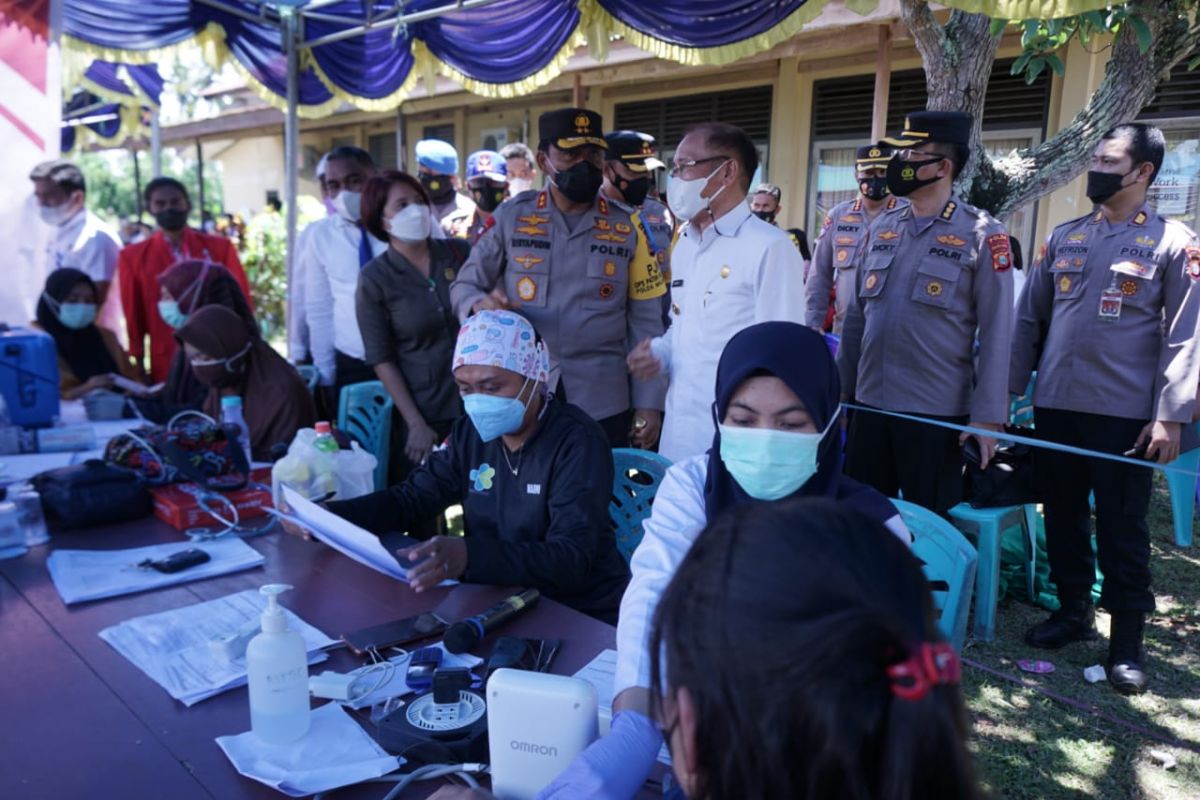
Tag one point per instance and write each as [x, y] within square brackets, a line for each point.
[79, 720]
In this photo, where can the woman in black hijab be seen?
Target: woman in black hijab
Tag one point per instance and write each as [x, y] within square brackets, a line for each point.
[88, 355]
[777, 436]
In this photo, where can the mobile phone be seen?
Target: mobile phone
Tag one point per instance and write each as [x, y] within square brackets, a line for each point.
[421, 667]
[971, 452]
[1138, 450]
[396, 633]
[177, 562]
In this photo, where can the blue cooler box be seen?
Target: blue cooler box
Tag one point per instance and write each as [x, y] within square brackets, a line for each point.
[28, 376]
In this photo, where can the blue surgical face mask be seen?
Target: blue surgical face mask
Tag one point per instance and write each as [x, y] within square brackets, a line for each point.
[494, 416]
[169, 311]
[769, 464]
[77, 316]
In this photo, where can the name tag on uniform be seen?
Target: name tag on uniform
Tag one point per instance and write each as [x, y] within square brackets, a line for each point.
[1136, 269]
[533, 488]
[675, 284]
[1110, 304]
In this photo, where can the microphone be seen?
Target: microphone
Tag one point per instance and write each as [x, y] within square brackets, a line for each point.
[465, 635]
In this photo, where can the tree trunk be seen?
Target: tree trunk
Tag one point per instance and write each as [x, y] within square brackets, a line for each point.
[958, 60]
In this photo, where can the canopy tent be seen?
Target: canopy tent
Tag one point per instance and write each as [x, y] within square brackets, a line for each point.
[108, 103]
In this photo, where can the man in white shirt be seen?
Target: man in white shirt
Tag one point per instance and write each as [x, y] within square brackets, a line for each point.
[297, 317]
[338, 247]
[79, 238]
[729, 270]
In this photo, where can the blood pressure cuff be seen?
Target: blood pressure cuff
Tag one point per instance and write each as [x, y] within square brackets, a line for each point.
[515, 652]
[91, 493]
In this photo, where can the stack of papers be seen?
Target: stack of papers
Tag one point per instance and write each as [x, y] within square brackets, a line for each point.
[600, 672]
[172, 647]
[81, 575]
[335, 752]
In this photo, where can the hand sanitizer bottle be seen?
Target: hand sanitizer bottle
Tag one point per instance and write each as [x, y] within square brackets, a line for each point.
[277, 672]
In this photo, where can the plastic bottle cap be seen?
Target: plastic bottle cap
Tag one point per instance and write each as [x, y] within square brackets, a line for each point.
[273, 618]
[323, 427]
[230, 401]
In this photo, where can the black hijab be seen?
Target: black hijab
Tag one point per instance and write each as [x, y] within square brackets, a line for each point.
[799, 357]
[84, 349]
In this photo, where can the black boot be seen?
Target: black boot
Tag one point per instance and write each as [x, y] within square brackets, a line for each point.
[1125, 670]
[1075, 621]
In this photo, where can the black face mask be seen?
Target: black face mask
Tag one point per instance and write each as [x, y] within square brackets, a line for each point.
[634, 191]
[439, 187]
[489, 198]
[875, 188]
[171, 219]
[902, 177]
[580, 183]
[1103, 185]
[765, 216]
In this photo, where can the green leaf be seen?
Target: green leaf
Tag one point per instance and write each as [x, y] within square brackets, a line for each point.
[997, 27]
[1142, 31]
[1096, 20]
[1031, 31]
[1056, 64]
[1195, 62]
[1036, 66]
[1019, 65]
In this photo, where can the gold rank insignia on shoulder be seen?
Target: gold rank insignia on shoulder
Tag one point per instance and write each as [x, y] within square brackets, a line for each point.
[949, 210]
[892, 201]
[857, 204]
[541, 201]
[1140, 218]
[602, 204]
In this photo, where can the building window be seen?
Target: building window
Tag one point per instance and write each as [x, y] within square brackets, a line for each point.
[1176, 191]
[444, 132]
[382, 147]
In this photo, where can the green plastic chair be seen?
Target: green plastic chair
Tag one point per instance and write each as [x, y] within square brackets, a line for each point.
[310, 376]
[365, 413]
[636, 477]
[949, 562]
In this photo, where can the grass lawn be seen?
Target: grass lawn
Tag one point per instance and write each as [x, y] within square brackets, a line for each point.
[1029, 746]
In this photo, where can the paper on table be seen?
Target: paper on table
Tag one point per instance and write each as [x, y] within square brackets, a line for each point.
[335, 752]
[172, 648]
[395, 684]
[81, 575]
[16, 468]
[600, 672]
[346, 537]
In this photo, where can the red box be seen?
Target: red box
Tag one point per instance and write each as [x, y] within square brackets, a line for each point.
[179, 508]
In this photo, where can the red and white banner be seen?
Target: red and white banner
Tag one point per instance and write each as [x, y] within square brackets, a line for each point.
[30, 112]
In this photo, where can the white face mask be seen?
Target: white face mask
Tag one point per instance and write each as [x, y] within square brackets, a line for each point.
[518, 185]
[56, 215]
[411, 223]
[683, 196]
[348, 205]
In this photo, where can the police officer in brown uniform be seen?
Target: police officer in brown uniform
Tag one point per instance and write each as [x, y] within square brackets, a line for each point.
[578, 268]
[930, 276]
[841, 234]
[1108, 319]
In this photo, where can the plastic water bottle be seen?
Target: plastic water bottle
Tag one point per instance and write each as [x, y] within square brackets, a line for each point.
[325, 441]
[277, 674]
[231, 414]
[12, 535]
[29, 512]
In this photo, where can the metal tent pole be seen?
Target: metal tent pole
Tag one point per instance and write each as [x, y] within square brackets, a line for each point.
[291, 135]
[155, 145]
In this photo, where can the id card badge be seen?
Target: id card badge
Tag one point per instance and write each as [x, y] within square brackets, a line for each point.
[1110, 304]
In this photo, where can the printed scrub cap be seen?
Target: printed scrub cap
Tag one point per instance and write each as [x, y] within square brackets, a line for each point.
[502, 339]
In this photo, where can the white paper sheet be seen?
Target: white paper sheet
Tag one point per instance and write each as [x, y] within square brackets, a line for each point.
[601, 672]
[81, 575]
[345, 537]
[335, 752]
[16, 468]
[172, 648]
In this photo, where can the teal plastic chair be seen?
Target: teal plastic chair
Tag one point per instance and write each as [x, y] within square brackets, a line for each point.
[987, 526]
[365, 413]
[1185, 492]
[310, 376]
[949, 562]
[636, 477]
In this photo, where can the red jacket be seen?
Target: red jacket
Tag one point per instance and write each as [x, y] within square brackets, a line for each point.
[138, 269]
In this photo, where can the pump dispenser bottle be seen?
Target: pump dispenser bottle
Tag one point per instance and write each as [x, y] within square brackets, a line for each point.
[277, 673]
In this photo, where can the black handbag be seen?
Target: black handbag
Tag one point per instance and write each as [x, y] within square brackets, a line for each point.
[91, 493]
[1008, 479]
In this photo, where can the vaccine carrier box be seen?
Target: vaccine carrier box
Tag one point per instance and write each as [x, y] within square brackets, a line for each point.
[28, 376]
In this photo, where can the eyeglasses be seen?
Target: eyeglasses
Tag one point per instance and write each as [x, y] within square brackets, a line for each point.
[908, 154]
[679, 166]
